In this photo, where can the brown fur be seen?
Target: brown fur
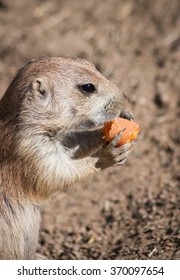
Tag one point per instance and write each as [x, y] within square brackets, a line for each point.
[50, 135]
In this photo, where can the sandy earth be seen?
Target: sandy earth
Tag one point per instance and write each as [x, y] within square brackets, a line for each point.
[129, 212]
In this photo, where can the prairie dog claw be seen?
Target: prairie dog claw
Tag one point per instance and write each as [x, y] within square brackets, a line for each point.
[116, 139]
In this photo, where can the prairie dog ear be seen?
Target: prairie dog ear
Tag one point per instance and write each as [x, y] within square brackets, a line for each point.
[39, 87]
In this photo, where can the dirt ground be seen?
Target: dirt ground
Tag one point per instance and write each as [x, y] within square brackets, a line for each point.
[129, 212]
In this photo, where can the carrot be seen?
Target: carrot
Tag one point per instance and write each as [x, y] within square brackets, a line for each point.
[113, 127]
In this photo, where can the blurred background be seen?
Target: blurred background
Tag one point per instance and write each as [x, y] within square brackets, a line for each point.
[129, 212]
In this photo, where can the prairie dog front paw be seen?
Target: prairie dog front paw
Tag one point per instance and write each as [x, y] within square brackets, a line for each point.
[111, 155]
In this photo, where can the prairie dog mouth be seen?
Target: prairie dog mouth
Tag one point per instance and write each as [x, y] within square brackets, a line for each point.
[89, 126]
[97, 123]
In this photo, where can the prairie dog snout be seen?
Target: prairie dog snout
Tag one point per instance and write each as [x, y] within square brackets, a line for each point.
[50, 133]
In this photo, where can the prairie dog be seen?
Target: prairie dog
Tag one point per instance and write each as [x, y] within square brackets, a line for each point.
[51, 118]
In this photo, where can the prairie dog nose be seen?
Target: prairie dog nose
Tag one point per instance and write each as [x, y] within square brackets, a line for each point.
[126, 114]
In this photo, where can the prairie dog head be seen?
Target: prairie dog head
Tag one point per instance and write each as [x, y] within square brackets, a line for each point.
[62, 93]
[54, 103]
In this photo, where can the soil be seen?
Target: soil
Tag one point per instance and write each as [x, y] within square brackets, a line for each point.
[128, 212]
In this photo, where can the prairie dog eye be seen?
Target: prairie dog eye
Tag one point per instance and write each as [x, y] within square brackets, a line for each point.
[87, 88]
